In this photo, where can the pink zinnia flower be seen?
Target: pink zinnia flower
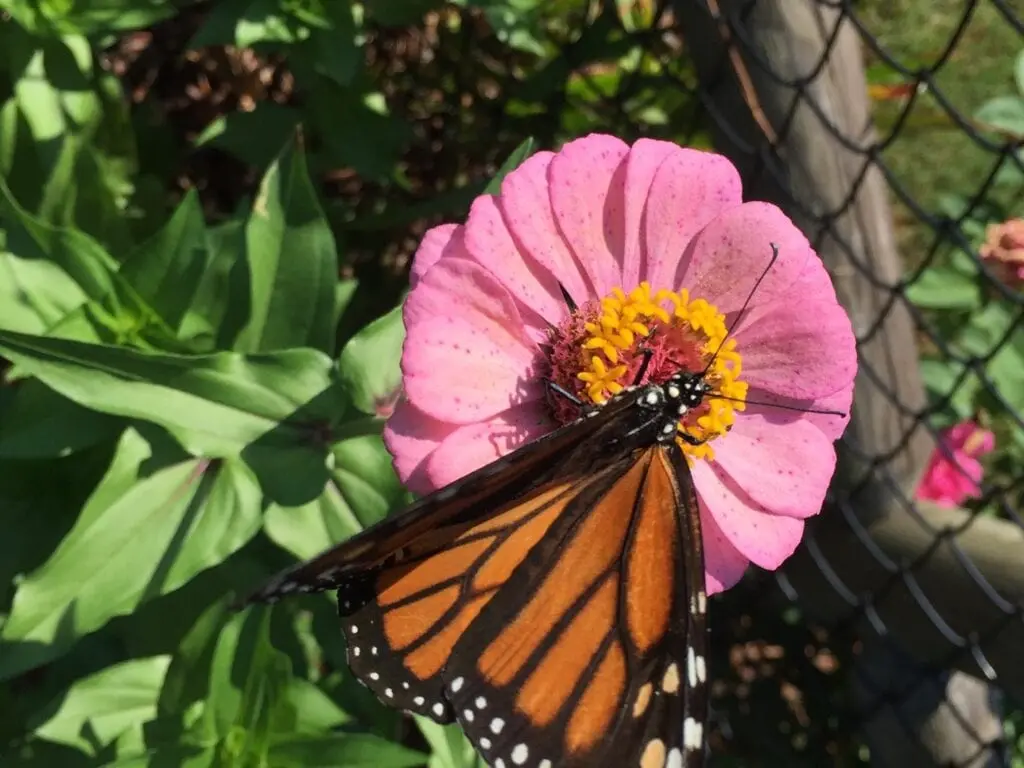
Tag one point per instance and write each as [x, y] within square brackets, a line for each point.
[954, 473]
[656, 249]
[1003, 249]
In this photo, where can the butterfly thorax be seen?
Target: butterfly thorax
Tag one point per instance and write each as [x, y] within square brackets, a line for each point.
[665, 404]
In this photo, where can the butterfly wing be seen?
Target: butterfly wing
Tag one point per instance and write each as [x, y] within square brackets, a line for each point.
[566, 453]
[595, 654]
[409, 587]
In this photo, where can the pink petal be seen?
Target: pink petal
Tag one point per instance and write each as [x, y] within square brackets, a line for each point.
[690, 189]
[490, 244]
[586, 179]
[728, 256]
[526, 205]
[724, 566]
[767, 540]
[642, 163]
[801, 345]
[411, 436]
[801, 350]
[466, 356]
[429, 251]
[474, 445]
[782, 462]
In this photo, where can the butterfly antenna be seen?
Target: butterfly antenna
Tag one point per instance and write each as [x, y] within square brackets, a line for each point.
[823, 411]
[743, 309]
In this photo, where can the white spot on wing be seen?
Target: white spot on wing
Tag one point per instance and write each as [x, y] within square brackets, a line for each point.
[520, 753]
[496, 725]
[693, 734]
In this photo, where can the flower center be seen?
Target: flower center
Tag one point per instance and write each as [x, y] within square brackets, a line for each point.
[599, 349]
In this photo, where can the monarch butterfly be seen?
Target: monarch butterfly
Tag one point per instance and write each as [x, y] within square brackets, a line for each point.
[552, 602]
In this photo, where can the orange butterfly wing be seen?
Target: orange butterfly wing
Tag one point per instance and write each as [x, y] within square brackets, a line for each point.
[595, 655]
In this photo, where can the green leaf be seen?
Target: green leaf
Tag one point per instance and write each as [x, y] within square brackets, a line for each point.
[450, 748]
[140, 535]
[106, 704]
[249, 681]
[171, 756]
[369, 364]
[351, 750]
[214, 405]
[188, 676]
[254, 137]
[400, 14]
[34, 293]
[513, 161]
[364, 474]
[363, 488]
[70, 124]
[39, 423]
[310, 529]
[292, 262]
[315, 710]
[945, 288]
[941, 377]
[335, 52]
[78, 255]
[227, 288]
[356, 129]
[38, 512]
[167, 270]
[1018, 73]
[245, 23]
[89, 17]
[1005, 113]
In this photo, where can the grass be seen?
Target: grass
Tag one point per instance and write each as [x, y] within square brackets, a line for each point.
[932, 155]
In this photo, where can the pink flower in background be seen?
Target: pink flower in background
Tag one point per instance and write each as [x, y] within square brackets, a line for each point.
[954, 473]
[1003, 249]
[655, 247]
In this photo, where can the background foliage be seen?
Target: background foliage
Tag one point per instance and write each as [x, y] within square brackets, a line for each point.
[206, 215]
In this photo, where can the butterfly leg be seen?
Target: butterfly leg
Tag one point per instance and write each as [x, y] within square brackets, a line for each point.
[562, 392]
[691, 440]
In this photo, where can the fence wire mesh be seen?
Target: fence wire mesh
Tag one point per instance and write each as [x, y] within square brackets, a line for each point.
[947, 123]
